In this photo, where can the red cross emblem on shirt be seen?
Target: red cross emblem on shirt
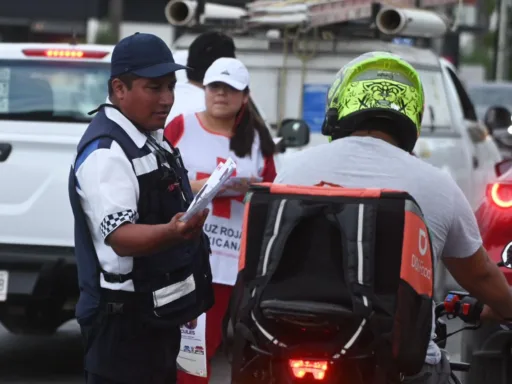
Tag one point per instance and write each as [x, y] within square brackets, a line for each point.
[221, 206]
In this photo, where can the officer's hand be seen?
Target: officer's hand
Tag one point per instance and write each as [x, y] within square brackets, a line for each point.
[190, 229]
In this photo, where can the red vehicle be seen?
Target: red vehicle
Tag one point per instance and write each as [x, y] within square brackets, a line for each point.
[489, 349]
[494, 216]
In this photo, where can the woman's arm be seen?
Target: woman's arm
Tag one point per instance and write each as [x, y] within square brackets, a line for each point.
[196, 185]
[269, 170]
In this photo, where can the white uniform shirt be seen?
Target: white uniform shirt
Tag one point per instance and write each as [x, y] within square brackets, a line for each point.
[109, 192]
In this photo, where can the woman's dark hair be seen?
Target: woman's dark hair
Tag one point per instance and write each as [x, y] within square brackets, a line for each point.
[244, 134]
[204, 50]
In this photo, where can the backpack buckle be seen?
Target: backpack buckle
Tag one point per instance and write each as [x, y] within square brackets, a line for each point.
[115, 308]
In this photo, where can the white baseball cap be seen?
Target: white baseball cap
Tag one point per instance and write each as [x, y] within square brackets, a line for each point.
[229, 71]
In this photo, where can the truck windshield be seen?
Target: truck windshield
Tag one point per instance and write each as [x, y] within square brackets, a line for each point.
[33, 90]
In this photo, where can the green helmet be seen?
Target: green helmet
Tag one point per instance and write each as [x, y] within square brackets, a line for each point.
[376, 84]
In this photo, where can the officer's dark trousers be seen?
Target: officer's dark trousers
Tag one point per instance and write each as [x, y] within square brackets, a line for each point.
[124, 349]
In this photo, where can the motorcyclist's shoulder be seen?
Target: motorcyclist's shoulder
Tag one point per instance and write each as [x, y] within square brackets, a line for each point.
[430, 173]
[416, 167]
[360, 151]
[292, 160]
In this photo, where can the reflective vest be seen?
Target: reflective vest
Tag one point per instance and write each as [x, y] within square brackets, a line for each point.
[172, 286]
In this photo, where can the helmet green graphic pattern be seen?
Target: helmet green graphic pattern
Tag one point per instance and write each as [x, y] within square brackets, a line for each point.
[378, 81]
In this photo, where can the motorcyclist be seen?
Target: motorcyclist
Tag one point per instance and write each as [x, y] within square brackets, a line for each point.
[373, 120]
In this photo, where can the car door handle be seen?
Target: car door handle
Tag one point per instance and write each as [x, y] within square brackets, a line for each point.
[476, 162]
[5, 151]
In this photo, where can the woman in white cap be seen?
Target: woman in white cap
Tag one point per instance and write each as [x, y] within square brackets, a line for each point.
[227, 128]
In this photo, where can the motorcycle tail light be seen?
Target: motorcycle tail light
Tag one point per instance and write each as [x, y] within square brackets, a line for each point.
[315, 368]
[501, 194]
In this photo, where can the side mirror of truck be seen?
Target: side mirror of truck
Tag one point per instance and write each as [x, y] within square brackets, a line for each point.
[506, 257]
[497, 117]
[503, 166]
[295, 133]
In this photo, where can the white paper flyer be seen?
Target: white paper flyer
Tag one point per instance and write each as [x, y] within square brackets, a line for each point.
[192, 356]
[210, 189]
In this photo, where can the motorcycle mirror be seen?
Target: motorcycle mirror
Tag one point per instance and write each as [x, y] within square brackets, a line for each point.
[497, 117]
[295, 133]
[506, 256]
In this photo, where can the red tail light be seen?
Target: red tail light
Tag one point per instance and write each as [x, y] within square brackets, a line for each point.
[65, 53]
[451, 59]
[300, 368]
[501, 194]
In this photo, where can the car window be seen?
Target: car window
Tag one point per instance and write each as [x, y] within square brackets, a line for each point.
[31, 90]
[467, 106]
[490, 95]
[437, 113]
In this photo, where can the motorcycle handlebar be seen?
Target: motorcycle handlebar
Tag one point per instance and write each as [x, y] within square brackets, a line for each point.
[461, 305]
[467, 308]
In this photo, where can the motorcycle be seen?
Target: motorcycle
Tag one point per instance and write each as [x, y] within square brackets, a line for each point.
[308, 366]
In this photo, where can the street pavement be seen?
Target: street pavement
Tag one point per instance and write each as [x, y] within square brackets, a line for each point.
[57, 359]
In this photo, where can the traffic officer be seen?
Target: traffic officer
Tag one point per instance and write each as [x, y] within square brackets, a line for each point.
[142, 271]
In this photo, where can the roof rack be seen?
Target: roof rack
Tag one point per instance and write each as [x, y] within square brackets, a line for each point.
[392, 17]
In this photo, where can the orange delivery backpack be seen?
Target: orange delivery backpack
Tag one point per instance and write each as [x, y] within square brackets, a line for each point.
[333, 271]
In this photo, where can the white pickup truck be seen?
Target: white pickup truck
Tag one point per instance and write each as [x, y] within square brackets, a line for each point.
[46, 92]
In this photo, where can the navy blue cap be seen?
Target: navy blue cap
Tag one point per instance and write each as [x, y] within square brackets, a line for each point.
[144, 55]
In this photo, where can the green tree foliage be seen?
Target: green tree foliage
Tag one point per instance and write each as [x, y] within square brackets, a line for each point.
[484, 49]
[483, 54]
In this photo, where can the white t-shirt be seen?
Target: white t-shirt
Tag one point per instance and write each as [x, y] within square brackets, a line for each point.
[366, 162]
[188, 98]
[202, 150]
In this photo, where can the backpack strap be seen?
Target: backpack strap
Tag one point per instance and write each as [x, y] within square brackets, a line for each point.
[357, 224]
[284, 216]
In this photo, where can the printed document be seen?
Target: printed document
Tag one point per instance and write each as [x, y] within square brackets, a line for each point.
[210, 189]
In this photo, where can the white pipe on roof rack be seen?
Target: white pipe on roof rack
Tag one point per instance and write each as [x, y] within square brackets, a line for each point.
[181, 13]
[277, 10]
[411, 22]
[284, 20]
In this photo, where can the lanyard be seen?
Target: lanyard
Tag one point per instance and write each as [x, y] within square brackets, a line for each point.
[173, 160]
